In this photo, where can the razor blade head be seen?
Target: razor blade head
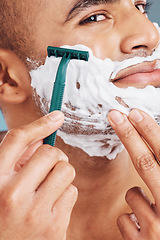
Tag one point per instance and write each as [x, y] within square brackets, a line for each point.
[68, 53]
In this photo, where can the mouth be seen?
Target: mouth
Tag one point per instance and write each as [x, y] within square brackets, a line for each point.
[139, 76]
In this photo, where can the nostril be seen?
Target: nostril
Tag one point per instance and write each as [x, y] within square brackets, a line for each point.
[139, 46]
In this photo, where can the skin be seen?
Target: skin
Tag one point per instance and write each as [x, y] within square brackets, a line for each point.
[41, 176]
[146, 162]
[102, 184]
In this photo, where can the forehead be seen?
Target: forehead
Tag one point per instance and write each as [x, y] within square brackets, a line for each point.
[73, 4]
[60, 9]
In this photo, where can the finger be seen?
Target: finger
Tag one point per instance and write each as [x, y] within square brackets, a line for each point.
[148, 128]
[62, 209]
[128, 226]
[141, 206]
[37, 168]
[17, 140]
[139, 152]
[61, 212]
[58, 180]
[27, 155]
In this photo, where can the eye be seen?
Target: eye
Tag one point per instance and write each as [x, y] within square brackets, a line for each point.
[94, 19]
[143, 7]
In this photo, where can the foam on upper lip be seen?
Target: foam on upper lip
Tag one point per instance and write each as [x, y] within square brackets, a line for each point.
[120, 65]
[135, 61]
[143, 67]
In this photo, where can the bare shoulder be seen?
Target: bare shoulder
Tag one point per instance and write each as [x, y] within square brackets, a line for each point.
[2, 134]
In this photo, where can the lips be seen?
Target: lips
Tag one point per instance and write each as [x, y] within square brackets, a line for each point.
[139, 76]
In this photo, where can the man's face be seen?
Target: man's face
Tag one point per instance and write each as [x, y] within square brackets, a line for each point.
[115, 29]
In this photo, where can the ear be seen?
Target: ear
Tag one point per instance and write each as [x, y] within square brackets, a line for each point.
[14, 78]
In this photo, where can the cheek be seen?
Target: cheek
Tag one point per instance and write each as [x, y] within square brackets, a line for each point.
[106, 47]
[104, 44]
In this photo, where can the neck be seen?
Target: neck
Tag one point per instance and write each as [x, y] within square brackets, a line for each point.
[102, 185]
[17, 115]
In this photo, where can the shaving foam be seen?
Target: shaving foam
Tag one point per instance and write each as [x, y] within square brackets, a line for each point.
[89, 96]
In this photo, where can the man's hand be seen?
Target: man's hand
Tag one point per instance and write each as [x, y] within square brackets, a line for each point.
[139, 133]
[36, 195]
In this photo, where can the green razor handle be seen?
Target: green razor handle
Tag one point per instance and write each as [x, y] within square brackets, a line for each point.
[59, 85]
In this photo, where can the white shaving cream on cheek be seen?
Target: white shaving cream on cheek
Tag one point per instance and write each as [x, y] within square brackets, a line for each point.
[88, 98]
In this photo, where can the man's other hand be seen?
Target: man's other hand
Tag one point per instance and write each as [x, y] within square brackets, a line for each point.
[36, 194]
[140, 135]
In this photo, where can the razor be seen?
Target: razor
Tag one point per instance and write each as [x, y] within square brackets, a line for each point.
[59, 85]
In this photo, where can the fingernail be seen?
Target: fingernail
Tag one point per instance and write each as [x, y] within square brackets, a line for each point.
[116, 117]
[55, 116]
[136, 116]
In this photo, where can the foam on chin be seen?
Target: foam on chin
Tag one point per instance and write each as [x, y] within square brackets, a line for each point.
[88, 98]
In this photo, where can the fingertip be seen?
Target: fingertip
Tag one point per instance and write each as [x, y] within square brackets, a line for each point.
[56, 116]
[136, 116]
[115, 117]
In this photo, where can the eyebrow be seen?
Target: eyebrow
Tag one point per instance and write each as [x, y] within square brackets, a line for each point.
[83, 4]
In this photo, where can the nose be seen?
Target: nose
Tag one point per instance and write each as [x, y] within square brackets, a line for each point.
[139, 34]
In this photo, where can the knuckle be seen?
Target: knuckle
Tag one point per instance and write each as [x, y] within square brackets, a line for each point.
[46, 150]
[8, 200]
[53, 153]
[149, 128]
[73, 192]
[146, 162]
[128, 133]
[61, 155]
[17, 134]
[68, 168]
[42, 123]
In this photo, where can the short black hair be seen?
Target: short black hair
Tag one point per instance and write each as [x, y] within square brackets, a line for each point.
[17, 19]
